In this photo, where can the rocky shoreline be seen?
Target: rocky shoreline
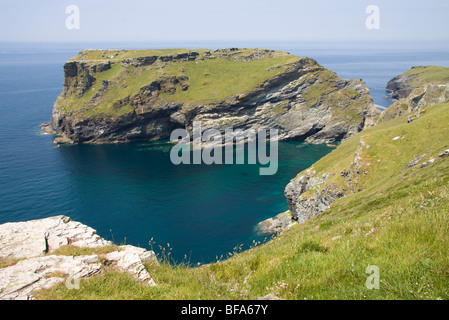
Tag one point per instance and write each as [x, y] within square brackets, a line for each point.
[30, 258]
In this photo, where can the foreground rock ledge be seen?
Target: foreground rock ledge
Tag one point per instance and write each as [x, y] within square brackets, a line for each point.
[32, 244]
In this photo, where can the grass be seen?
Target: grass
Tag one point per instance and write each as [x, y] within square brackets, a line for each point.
[70, 250]
[215, 80]
[399, 222]
[427, 74]
[209, 80]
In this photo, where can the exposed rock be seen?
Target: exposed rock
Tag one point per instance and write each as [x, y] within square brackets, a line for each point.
[427, 163]
[414, 116]
[427, 95]
[414, 162]
[47, 129]
[62, 140]
[275, 225]
[400, 86]
[130, 259]
[304, 102]
[304, 208]
[20, 280]
[415, 89]
[29, 246]
[310, 194]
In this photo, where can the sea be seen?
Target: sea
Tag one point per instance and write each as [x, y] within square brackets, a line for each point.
[132, 193]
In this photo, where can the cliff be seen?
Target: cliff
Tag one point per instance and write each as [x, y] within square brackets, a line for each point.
[313, 191]
[140, 95]
[417, 88]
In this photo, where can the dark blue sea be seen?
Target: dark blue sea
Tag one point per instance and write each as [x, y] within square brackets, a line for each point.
[131, 193]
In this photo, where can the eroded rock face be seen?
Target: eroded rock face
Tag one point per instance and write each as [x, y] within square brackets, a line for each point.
[303, 208]
[415, 89]
[310, 193]
[130, 259]
[304, 102]
[418, 98]
[29, 246]
[275, 225]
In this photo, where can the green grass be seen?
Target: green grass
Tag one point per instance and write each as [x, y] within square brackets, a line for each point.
[209, 80]
[324, 82]
[428, 74]
[70, 250]
[118, 55]
[399, 223]
[215, 80]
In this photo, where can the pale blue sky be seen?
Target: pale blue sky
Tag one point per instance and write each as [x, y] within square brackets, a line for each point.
[229, 20]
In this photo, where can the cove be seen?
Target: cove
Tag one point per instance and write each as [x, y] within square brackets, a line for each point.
[132, 193]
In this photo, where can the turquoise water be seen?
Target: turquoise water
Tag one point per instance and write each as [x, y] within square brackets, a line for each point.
[131, 193]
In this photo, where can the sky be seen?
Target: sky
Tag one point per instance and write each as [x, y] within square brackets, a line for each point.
[224, 20]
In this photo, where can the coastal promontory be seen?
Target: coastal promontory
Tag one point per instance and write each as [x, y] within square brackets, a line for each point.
[112, 96]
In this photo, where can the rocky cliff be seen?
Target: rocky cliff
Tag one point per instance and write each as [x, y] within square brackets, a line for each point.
[417, 88]
[314, 190]
[140, 95]
[311, 192]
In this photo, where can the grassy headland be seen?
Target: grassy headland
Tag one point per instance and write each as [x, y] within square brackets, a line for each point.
[399, 222]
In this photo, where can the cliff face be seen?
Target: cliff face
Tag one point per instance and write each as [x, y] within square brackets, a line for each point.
[124, 95]
[354, 165]
[417, 88]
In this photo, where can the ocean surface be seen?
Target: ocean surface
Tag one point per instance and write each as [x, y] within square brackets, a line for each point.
[132, 193]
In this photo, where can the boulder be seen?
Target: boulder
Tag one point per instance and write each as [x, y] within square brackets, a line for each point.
[17, 282]
[276, 224]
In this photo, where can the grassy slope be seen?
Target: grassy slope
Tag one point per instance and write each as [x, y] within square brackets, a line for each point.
[210, 80]
[427, 74]
[399, 222]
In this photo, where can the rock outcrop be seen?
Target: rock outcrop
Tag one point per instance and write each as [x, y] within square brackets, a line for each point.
[19, 281]
[303, 208]
[36, 237]
[311, 193]
[108, 99]
[415, 89]
[30, 247]
[275, 225]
